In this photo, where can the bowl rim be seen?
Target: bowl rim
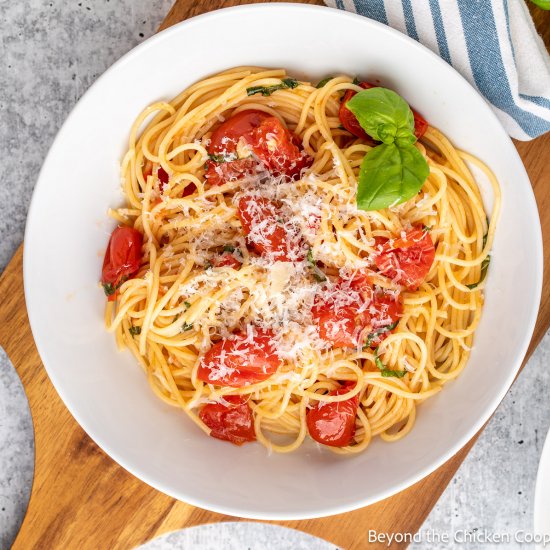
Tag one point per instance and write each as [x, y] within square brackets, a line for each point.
[322, 511]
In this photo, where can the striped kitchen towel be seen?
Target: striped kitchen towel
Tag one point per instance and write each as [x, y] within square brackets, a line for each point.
[492, 43]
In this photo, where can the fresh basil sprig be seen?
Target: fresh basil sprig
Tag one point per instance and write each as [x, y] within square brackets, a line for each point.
[394, 171]
[286, 83]
[323, 82]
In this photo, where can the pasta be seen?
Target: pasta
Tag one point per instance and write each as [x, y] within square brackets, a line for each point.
[183, 300]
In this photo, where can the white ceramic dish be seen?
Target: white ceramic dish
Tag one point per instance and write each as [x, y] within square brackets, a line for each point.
[542, 493]
[67, 232]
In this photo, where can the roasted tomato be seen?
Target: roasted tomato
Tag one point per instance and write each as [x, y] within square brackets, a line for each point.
[223, 146]
[232, 422]
[351, 124]
[122, 259]
[385, 309]
[278, 148]
[342, 315]
[333, 424]
[267, 232]
[240, 360]
[407, 260]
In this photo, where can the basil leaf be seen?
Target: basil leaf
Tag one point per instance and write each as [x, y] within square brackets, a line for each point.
[186, 326]
[108, 288]
[390, 174]
[356, 81]
[228, 248]
[134, 331]
[323, 82]
[385, 371]
[187, 305]
[484, 267]
[286, 83]
[373, 335]
[384, 115]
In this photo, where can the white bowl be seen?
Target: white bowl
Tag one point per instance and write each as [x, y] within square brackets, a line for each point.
[67, 232]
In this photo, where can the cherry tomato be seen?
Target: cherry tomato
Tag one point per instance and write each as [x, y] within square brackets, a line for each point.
[333, 424]
[240, 360]
[342, 324]
[351, 124]
[386, 310]
[266, 232]
[278, 148]
[223, 142]
[122, 259]
[225, 138]
[231, 422]
[275, 146]
[407, 260]
[226, 260]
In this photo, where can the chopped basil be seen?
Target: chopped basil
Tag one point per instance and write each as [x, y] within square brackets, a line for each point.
[109, 289]
[187, 304]
[484, 267]
[356, 81]
[186, 326]
[317, 273]
[385, 371]
[134, 331]
[223, 158]
[426, 228]
[323, 82]
[286, 83]
[228, 248]
[208, 265]
[373, 335]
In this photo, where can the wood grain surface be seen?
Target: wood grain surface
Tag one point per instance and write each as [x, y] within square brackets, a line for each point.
[83, 499]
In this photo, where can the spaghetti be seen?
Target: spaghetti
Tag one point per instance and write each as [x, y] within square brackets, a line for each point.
[201, 291]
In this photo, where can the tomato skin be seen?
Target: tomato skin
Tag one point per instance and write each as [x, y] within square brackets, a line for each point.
[407, 260]
[226, 260]
[261, 221]
[333, 424]
[278, 148]
[232, 423]
[244, 362]
[122, 258]
[386, 310]
[351, 124]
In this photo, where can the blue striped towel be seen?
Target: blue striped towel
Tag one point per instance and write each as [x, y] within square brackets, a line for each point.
[492, 43]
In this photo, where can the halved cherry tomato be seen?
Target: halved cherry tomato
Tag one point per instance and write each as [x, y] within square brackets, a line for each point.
[333, 424]
[351, 124]
[278, 148]
[386, 310]
[122, 259]
[266, 232]
[223, 142]
[407, 260]
[341, 324]
[225, 138]
[273, 144]
[240, 361]
[226, 260]
[232, 423]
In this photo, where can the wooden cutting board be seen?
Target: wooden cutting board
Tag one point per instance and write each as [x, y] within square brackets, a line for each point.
[83, 499]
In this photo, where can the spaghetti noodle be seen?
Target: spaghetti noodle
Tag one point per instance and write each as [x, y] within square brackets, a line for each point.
[200, 285]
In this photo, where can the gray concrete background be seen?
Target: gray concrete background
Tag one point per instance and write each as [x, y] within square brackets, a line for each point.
[51, 53]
